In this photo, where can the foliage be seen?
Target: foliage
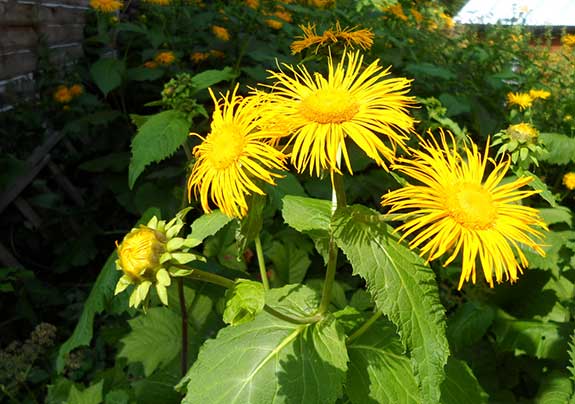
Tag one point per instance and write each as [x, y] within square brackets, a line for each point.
[255, 318]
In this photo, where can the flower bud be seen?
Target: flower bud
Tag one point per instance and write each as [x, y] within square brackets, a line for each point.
[140, 251]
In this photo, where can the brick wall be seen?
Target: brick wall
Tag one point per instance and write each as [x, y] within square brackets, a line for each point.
[22, 24]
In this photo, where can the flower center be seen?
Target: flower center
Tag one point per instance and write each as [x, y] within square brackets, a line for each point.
[329, 105]
[471, 206]
[228, 143]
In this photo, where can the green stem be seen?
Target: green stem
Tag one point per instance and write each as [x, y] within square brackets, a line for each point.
[364, 327]
[261, 262]
[337, 202]
[188, 150]
[209, 277]
[292, 319]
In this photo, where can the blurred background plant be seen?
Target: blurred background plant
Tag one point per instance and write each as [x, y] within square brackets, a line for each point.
[127, 107]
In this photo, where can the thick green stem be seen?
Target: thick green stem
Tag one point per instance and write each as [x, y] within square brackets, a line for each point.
[364, 327]
[261, 262]
[337, 202]
[184, 311]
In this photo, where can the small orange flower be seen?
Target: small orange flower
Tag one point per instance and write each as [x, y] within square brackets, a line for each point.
[150, 64]
[76, 90]
[221, 33]
[165, 58]
[199, 57]
[62, 95]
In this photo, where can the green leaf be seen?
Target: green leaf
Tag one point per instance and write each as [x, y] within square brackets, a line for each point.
[560, 148]
[117, 397]
[559, 214]
[207, 225]
[379, 371]
[130, 27]
[469, 323]
[430, 70]
[245, 300]
[251, 225]
[291, 261]
[90, 395]
[571, 353]
[142, 73]
[158, 138]
[269, 360]
[208, 78]
[159, 387]
[58, 391]
[460, 385]
[542, 340]
[544, 191]
[404, 289]
[309, 216]
[154, 339]
[107, 74]
[115, 162]
[555, 388]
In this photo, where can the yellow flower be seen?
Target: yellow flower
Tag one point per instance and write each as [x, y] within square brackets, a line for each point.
[321, 3]
[568, 39]
[351, 102]
[397, 11]
[199, 57]
[569, 181]
[350, 37]
[62, 95]
[106, 6]
[447, 21]
[150, 64]
[234, 156]
[147, 254]
[456, 209]
[416, 15]
[252, 3]
[543, 94]
[76, 90]
[522, 132]
[274, 24]
[522, 100]
[221, 33]
[165, 58]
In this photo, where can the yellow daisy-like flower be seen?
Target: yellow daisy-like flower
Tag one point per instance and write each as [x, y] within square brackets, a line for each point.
[522, 100]
[62, 95]
[522, 132]
[274, 24]
[568, 40]
[569, 181]
[106, 6]
[165, 58]
[456, 209]
[234, 156]
[397, 11]
[353, 101]
[221, 33]
[543, 94]
[350, 37]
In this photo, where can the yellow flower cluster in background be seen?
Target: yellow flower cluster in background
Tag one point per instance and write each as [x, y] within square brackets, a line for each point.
[349, 37]
[568, 40]
[65, 94]
[106, 6]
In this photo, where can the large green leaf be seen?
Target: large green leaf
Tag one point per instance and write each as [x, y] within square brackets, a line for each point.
[460, 385]
[245, 300]
[404, 289]
[158, 138]
[155, 339]
[107, 73]
[556, 388]
[543, 340]
[89, 395]
[159, 387]
[309, 216]
[207, 225]
[469, 323]
[560, 148]
[269, 360]
[379, 371]
[208, 78]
